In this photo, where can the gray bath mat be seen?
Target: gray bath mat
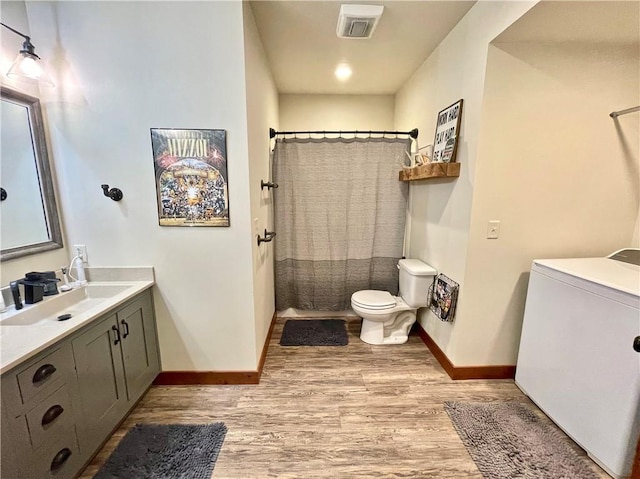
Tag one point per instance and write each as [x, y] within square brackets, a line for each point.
[507, 440]
[314, 332]
[171, 451]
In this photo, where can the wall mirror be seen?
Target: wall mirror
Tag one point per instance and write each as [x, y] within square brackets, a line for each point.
[29, 220]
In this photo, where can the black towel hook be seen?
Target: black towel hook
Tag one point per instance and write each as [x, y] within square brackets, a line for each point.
[114, 193]
[268, 237]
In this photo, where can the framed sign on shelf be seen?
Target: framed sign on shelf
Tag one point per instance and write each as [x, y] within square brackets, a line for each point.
[445, 143]
[191, 177]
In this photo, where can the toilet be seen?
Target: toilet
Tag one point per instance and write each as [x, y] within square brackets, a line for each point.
[387, 319]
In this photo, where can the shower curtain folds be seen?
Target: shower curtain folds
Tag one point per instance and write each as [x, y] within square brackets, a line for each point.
[340, 216]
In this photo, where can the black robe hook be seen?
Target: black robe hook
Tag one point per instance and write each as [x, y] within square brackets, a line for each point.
[114, 193]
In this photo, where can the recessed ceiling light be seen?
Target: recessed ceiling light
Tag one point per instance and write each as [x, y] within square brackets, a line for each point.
[343, 72]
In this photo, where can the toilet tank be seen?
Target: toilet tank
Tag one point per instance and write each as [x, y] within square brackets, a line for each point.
[415, 279]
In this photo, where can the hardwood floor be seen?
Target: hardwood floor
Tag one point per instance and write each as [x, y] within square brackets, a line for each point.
[333, 412]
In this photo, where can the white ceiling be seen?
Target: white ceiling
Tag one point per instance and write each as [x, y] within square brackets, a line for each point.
[303, 49]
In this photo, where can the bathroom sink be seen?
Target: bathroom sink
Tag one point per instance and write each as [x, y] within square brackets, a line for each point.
[74, 302]
[104, 290]
[32, 329]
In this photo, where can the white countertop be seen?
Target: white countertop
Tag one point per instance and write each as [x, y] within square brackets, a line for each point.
[26, 332]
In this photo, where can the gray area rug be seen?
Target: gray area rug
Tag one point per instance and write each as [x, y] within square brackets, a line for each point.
[166, 451]
[314, 332]
[508, 440]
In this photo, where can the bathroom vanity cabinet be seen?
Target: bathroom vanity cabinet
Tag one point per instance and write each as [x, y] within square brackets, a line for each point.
[60, 406]
[39, 420]
[116, 361]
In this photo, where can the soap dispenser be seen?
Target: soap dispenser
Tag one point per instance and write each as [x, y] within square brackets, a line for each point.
[66, 286]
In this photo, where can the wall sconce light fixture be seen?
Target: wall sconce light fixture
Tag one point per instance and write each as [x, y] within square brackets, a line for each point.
[27, 65]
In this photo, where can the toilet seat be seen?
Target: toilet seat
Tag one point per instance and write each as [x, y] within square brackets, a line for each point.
[386, 319]
[372, 299]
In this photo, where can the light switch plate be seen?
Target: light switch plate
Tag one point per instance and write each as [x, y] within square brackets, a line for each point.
[493, 229]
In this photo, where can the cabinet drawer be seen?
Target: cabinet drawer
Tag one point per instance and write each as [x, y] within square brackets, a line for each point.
[49, 417]
[48, 373]
[59, 459]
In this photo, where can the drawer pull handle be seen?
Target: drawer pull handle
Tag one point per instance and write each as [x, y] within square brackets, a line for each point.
[636, 344]
[117, 331]
[43, 373]
[60, 459]
[126, 329]
[52, 414]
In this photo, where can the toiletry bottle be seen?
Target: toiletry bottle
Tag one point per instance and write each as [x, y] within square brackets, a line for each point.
[82, 279]
[15, 292]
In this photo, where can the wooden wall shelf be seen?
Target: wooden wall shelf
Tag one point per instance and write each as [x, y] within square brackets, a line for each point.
[430, 170]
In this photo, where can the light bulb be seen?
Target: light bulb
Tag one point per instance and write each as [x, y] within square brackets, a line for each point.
[343, 72]
[29, 67]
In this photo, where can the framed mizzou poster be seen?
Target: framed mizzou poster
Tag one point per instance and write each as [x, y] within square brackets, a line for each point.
[191, 177]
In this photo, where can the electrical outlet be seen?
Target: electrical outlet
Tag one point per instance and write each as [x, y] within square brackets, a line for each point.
[493, 229]
[81, 250]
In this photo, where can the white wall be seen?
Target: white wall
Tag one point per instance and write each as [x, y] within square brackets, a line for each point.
[560, 174]
[262, 114]
[336, 112]
[441, 209]
[121, 69]
[14, 14]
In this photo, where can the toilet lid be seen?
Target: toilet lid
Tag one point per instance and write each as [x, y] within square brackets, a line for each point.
[373, 299]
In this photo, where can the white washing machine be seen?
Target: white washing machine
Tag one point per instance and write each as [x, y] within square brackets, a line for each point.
[579, 357]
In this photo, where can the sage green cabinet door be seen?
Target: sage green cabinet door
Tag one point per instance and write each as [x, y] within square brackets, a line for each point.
[139, 345]
[100, 380]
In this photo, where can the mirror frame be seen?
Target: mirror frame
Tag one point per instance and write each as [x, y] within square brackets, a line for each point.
[45, 180]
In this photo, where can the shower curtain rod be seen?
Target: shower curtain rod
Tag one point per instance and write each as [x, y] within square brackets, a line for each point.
[413, 133]
[616, 114]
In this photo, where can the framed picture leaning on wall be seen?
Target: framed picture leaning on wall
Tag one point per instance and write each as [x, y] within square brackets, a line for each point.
[191, 177]
[445, 143]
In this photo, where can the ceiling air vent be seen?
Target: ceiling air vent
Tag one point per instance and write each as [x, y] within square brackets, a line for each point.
[358, 21]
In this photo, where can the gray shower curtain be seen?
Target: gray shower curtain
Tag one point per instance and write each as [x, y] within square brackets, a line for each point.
[339, 217]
